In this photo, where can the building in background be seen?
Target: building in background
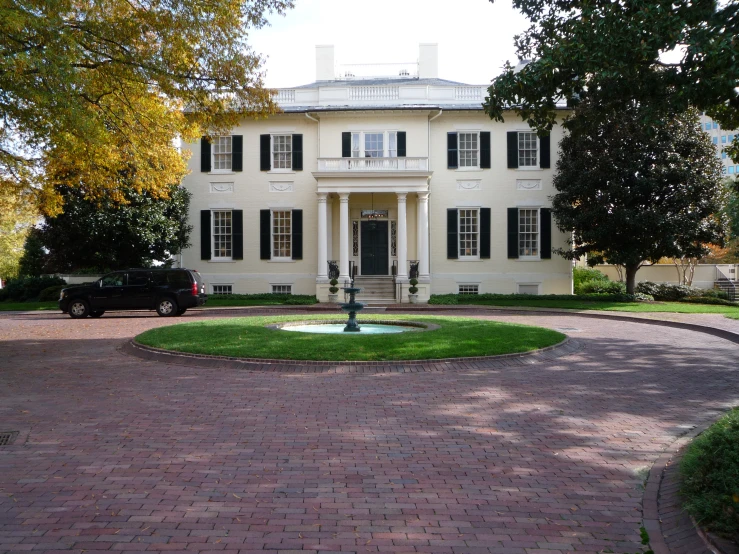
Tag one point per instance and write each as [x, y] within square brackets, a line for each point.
[383, 173]
[721, 139]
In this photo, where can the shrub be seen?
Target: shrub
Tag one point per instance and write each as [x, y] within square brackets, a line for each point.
[667, 291]
[333, 289]
[710, 477]
[269, 298]
[602, 287]
[50, 293]
[486, 298]
[25, 289]
[580, 276]
[413, 289]
[707, 300]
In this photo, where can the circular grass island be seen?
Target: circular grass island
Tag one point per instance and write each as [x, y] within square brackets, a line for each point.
[438, 337]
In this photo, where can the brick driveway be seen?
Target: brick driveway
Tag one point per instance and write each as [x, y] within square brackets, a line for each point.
[120, 454]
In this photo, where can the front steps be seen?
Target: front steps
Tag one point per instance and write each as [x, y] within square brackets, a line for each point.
[375, 289]
[729, 287]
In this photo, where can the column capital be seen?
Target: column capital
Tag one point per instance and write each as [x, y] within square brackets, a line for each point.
[344, 197]
[401, 196]
[423, 196]
[322, 196]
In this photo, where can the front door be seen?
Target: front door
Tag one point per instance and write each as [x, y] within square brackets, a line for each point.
[374, 248]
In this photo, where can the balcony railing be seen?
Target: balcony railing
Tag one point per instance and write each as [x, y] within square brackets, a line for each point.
[373, 164]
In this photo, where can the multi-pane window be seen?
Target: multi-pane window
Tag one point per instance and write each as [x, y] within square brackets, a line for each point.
[281, 234]
[527, 149]
[469, 289]
[528, 232]
[222, 289]
[282, 151]
[468, 232]
[375, 145]
[222, 234]
[468, 150]
[221, 149]
[282, 289]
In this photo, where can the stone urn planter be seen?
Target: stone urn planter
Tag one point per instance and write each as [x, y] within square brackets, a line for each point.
[413, 298]
[333, 298]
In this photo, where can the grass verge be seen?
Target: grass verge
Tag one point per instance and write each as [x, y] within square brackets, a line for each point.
[28, 306]
[710, 477]
[247, 337]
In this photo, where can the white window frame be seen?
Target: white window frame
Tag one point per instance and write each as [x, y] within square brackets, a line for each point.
[537, 234]
[213, 235]
[215, 150]
[537, 144]
[358, 143]
[461, 254]
[476, 289]
[214, 285]
[537, 285]
[476, 150]
[273, 236]
[289, 286]
[288, 153]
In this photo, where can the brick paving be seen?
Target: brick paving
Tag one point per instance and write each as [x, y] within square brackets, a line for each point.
[121, 454]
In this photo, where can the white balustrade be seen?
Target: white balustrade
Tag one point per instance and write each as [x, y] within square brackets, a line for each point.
[468, 93]
[373, 164]
[374, 93]
[285, 96]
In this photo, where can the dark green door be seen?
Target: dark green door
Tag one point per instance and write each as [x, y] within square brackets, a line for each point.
[374, 248]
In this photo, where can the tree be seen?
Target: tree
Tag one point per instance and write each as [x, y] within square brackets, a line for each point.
[105, 235]
[611, 53]
[17, 216]
[94, 87]
[633, 194]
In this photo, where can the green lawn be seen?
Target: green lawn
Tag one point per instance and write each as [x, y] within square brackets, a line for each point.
[575, 304]
[28, 306]
[249, 338]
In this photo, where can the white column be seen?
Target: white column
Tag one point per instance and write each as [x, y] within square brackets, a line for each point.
[322, 273]
[344, 236]
[330, 228]
[402, 238]
[423, 235]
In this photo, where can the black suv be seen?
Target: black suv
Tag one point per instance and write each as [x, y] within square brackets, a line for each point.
[168, 291]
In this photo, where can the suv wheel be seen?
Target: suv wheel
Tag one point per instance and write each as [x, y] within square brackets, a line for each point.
[166, 307]
[78, 309]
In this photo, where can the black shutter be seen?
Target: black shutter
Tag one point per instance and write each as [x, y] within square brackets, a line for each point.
[346, 145]
[513, 232]
[265, 163]
[546, 234]
[297, 227]
[297, 152]
[265, 237]
[485, 233]
[401, 144]
[512, 150]
[237, 234]
[451, 152]
[545, 162]
[485, 150]
[205, 234]
[204, 156]
[452, 245]
[237, 153]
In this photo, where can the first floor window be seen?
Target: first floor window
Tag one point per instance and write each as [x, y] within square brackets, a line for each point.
[222, 244]
[282, 151]
[469, 289]
[527, 149]
[282, 289]
[468, 232]
[222, 289]
[281, 234]
[222, 151]
[468, 150]
[528, 232]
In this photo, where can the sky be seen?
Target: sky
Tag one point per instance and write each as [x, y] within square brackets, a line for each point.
[475, 37]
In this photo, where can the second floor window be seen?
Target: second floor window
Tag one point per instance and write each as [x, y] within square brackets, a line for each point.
[282, 151]
[527, 149]
[375, 144]
[222, 151]
[468, 150]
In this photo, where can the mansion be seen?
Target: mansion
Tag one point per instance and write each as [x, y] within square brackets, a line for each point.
[380, 179]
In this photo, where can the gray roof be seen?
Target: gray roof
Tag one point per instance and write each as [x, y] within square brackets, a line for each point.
[384, 107]
[375, 82]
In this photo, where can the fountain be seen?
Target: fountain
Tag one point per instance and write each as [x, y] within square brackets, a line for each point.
[352, 307]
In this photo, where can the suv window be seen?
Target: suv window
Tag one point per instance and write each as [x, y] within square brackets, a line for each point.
[138, 278]
[176, 279]
[114, 280]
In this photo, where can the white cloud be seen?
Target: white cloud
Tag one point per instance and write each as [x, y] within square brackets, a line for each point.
[475, 37]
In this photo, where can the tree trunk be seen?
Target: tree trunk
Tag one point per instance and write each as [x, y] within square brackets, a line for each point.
[631, 278]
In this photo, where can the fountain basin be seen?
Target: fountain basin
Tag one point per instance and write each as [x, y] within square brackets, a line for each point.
[338, 327]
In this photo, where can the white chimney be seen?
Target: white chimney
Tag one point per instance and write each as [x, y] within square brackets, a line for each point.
[325, 70]
[428, 61]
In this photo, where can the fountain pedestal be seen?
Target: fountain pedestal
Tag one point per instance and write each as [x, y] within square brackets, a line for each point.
[352, 307]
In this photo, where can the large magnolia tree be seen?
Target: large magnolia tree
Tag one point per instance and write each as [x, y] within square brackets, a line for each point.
[613, 53]
[96, 87]
[633, 193]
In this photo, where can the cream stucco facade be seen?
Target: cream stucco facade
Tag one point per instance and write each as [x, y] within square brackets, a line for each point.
[390, 147]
